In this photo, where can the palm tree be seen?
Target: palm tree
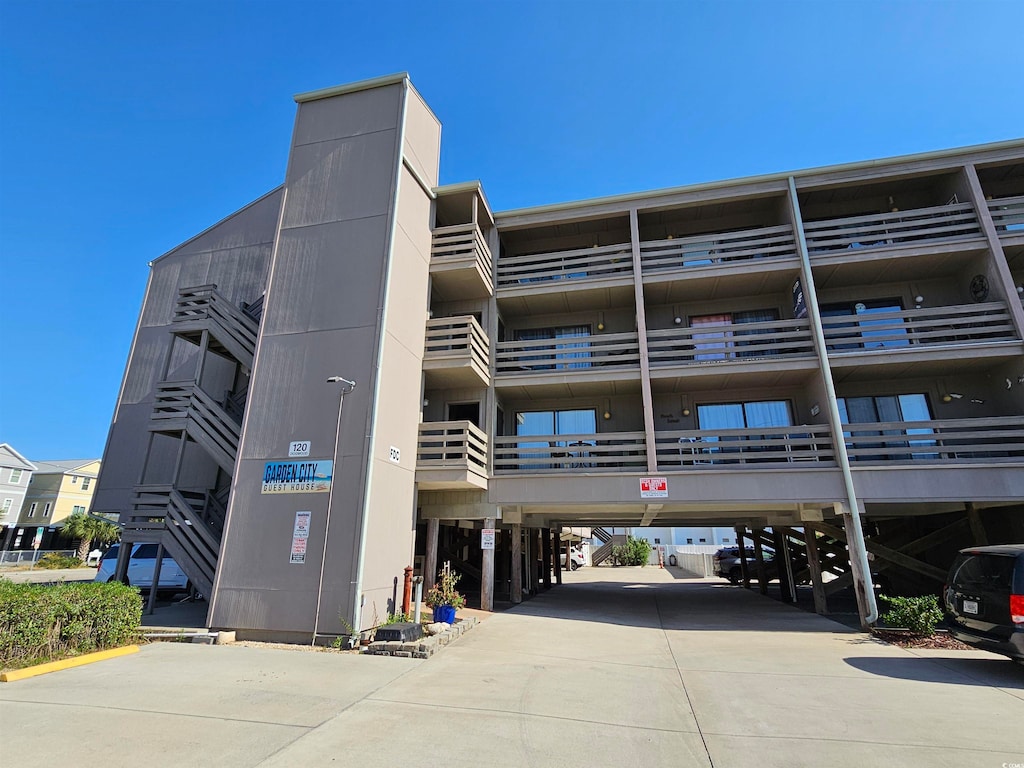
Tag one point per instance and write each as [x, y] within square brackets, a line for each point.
[87, 530]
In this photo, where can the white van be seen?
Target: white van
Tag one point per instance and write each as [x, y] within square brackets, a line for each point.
[141, 567]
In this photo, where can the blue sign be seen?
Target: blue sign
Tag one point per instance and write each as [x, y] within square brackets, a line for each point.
[297, 476]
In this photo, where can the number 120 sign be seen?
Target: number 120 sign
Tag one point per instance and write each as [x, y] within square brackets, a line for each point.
[653, 487]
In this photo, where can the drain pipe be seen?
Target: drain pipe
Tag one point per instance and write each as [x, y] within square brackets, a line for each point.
[859, 565]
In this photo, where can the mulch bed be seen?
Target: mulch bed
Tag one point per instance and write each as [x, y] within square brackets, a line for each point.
[940, 640]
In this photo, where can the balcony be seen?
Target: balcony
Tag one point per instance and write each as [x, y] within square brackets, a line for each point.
[918, 330]
[807, 445]
[1008, 216]
[561, 270]
[848, 236]
[232, 330]
[575, 356]
[182, 406]
[996, 440]
[450, 455]
[460, 263]
[735, 343]
[579, 454]
[726, 248]
[457, 353]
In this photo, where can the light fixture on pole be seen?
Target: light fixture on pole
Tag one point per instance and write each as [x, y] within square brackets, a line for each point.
[348, 385]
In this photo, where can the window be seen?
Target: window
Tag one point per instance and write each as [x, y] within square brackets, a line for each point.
[578, 356]
[77, 510]
[46, 509]
[15, 476]
[7, 507]
[725, 540]
[657, 541]
[85, 483]
[886, 408]
[74, 479]
[32, 509]
[689, 541]
[887, 333]
[718, 345]
[702, 541]
[728, 416]
[550, 424]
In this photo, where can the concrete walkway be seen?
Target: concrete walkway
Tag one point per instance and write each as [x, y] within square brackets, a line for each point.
[618, 667]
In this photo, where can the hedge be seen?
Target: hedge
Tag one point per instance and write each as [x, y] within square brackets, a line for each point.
[45, 623]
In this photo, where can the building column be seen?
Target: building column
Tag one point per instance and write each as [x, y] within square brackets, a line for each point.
[430, 560]
[556, 544]
[487, 573]
[545, 544]
[814, 565]
[785, 566]
[516, 588]
[762, 577]
[741, 531]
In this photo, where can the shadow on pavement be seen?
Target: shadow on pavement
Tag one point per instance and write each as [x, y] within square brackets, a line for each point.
[952, 671]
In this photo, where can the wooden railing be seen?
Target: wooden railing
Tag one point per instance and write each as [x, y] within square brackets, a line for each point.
[575, 264]
[183, 405]
[447, 444]
[735, 342]
[461, 244]
[607, 452]
[717, 248]
[202, 306]
[1008, 215]
[934, 326]
[457, 338]
[810, 443]
[617, 350]
[883, 230]
[993, 439]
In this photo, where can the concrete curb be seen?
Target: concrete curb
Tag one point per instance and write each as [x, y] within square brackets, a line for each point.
[425, 647]
[56, 666]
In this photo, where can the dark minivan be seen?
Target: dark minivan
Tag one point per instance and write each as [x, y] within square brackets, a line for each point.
[984, 596]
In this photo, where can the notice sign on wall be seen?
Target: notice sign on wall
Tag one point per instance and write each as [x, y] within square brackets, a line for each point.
[653, 487]
[487, 538]
[297, 476]
[300, 535]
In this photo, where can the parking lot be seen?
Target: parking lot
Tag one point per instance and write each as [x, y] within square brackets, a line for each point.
[617, 667]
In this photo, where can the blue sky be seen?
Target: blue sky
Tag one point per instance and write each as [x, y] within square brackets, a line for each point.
[128, 127]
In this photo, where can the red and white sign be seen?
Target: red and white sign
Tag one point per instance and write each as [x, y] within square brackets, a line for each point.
[653, 487]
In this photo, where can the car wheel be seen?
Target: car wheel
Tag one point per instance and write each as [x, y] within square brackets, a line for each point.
[573, 565]
[735, 576]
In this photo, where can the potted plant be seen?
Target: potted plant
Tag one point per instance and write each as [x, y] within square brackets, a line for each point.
[443, 597]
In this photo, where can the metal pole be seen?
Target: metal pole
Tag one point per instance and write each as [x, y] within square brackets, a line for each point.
[417, 584]
[859, 565]
[330, 499]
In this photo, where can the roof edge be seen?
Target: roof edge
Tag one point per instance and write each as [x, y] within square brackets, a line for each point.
[767, 177]
[362, 85]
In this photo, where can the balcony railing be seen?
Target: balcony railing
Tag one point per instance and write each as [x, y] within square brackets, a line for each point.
[457, 339]
[735, 342]
[725, 247]
[461, 245]
[451, 445]
[810, 443]
[608, 452]
[607, 350]
[934, 326]
[204, 308]
[956, 221]
[996, 439]
[575, 264]
[1008, 215]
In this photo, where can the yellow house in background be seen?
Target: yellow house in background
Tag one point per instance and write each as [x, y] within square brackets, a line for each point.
[56, 491]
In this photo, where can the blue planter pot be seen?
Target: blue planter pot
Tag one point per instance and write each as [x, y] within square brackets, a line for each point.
[444, 613]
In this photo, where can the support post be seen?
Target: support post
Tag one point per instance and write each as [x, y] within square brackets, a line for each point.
[814, 565]
[785, 566]
[154, 585]
[545, 544]
[430, 561]
[407, 591]
[556, 533]
[741, 535]
[516, 589]
[762, 577]
[487, 573]
[977, 527]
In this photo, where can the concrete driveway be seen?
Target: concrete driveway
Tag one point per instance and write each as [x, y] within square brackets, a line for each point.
[618, 667]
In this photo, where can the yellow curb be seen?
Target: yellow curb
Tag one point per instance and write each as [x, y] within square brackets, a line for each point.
[77, 661]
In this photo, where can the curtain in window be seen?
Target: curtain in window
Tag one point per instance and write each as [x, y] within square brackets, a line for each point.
[578, 357]
[755, 316]
[712, 346]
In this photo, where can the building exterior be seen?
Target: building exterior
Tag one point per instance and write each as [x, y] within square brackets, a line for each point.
[57, 490]
[838, 346]
[15, 473]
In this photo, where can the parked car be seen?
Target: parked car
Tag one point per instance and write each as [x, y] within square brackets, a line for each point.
[984, 599]
[141, 567]
[576, 558]
[727, 563]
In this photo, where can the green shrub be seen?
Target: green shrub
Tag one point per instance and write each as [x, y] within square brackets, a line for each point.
[918, 614]
[53, 561]
[633, 552]
[40, 623]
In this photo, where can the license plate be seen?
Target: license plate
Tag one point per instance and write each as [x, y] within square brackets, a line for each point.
[971, 606]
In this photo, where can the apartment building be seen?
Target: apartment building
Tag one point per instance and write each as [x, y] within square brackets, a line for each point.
[363, 370]
[57, 490]
[15, 473]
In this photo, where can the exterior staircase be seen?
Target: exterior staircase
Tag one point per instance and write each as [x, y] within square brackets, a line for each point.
[608, 541]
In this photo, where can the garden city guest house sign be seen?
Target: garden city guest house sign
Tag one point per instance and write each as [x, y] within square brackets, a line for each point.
[297, 476]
